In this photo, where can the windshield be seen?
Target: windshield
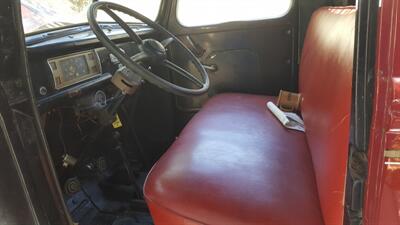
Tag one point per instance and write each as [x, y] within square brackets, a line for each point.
[40, 15]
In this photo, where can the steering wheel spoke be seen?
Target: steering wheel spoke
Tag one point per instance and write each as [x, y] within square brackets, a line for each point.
[182, 72]
[140, 57]
[123, 25]
[167, 41]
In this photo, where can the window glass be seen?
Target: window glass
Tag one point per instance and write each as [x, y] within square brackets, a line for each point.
[208, 12]
[51, 14]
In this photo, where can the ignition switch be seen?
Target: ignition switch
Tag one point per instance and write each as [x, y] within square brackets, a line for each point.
[94, 101]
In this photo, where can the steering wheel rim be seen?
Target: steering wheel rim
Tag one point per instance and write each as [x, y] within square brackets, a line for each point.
[150, 50]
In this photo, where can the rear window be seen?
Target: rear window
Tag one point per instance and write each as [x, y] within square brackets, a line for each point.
[191, 13]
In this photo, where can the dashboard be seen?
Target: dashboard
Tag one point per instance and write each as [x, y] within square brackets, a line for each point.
[73, 73]
[72, 69]
[71, 81]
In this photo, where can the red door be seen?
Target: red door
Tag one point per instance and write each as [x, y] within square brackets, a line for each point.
[382, 199]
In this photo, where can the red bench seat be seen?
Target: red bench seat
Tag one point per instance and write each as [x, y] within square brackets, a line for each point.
[234, 163]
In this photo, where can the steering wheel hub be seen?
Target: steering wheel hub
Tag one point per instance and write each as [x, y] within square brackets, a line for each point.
[155, 50]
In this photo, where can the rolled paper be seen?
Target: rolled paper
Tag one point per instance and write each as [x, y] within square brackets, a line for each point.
[278, 113]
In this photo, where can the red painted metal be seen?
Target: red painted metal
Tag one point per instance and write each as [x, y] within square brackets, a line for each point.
[382, 202]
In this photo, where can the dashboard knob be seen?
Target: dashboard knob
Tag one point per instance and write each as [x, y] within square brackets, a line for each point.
[100, 99]
[43, 91]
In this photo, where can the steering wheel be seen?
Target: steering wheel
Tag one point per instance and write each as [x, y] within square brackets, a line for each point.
[151, 51]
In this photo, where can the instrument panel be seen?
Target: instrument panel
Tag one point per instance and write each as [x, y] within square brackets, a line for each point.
[74, 73]
[74, 68]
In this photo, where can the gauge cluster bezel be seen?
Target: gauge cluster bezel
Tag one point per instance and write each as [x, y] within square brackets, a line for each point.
[92, 60]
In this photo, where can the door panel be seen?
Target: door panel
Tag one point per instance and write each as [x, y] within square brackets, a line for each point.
[256, 57]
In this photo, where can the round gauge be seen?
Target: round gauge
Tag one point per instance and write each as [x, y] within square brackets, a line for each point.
[100, 99]
[81, 66]
[70, 72]
[73, 68]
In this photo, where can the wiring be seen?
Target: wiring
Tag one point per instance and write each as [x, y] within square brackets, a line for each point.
[60, 132]
[133, 129]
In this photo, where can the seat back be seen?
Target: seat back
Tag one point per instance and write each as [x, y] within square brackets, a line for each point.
[326, 85]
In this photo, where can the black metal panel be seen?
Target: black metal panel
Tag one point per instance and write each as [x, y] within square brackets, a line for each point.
[16, 206]
[257, 57]
[29, 193]
[248, 61]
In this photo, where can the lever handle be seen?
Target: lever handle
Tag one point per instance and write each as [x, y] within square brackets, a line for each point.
[211, 68]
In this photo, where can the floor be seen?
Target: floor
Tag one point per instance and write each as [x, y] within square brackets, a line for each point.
[91, 205]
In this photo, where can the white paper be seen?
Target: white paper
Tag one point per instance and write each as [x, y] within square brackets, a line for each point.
[289, 120]
[278, 113]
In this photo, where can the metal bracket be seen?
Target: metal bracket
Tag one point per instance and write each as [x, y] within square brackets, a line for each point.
[127, 81]
[392, 153]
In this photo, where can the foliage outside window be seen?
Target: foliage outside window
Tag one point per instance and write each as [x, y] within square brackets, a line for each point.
[40, 15]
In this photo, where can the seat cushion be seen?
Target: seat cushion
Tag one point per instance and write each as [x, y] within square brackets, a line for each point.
[234, 163]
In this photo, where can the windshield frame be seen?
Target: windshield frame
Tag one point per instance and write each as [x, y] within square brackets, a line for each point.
[159, 16]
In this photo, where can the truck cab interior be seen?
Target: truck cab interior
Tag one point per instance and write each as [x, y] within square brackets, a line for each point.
[155, 112]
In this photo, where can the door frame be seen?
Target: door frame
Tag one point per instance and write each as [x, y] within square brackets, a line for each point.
[40, 193]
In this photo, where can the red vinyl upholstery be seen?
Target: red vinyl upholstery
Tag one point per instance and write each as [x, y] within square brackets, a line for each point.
[235, 164]
[326, 82]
